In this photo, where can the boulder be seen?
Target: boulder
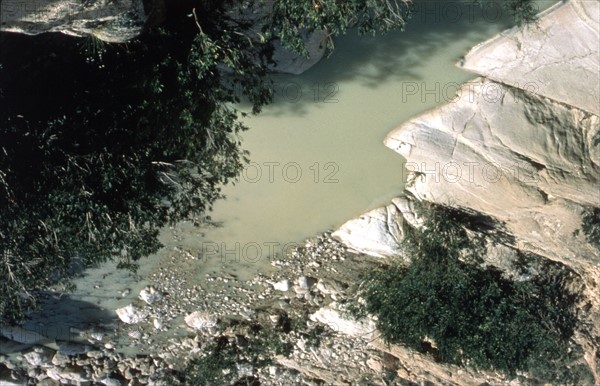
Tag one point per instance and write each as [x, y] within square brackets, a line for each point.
[150, 295]
[201, 320]
[290, 62]
[41, 356]
[283, 285]
[131, 314]
[304, 284]
[340, 323]
[286, 61]
[380, 232]
[61, 359]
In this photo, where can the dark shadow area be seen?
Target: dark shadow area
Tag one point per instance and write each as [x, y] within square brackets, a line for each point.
[62, 317]
[395, 56]
[485, 224]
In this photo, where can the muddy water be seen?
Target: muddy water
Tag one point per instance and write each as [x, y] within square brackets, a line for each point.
[317, 153]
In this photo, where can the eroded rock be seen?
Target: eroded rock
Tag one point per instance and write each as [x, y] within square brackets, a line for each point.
[201, 320]
[380, 232]
[560, 49]
[340, 323]
[109, 20]
[131, 314]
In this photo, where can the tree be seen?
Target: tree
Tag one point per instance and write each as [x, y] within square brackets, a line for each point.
[101, 149]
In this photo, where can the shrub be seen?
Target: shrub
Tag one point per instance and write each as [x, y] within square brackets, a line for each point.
[217, 364]
[445, 303]
[590, 225]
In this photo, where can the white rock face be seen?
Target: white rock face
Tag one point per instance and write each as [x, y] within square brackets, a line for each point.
[521, 146]
[379, 232]
[112, 21]
[333, 318]
[201, 320]
[526, 160]
[150, 295]
[131, 314]
[561, 50]
[529, 157]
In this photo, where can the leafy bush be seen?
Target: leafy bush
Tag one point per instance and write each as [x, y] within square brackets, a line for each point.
[291, 18]
[591, 226]
[445, 303]
[103, 145]
[217, 365]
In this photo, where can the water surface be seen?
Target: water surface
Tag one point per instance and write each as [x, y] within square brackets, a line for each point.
[317, 153]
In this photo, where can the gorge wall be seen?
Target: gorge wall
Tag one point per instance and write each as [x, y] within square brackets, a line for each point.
[520, 144]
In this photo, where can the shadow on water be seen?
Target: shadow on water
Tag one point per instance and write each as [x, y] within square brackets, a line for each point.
[58, 324]
[396, 56]
[62, 317]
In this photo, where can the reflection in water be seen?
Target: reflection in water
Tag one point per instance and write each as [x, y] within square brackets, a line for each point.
[317, 153]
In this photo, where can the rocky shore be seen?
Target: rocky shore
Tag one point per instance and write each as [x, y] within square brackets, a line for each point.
[307, 335]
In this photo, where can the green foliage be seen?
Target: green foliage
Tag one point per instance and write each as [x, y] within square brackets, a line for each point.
[101, 147]
[445, 303]
[590, 224]
[217, 363]
[524, 11]
[290, 19]
[93, 48]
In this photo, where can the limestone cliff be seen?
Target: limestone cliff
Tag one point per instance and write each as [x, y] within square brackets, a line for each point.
[520, 144]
